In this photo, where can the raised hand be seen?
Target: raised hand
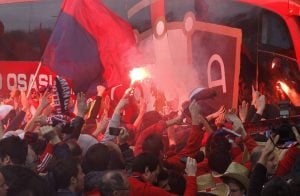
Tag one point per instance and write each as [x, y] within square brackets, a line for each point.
[24, 101]
[260, 104]
[237, 124]
[100, 90]
[243, 110]
[216, 114]
[123, 137]
[81, 104]
[268, 149]
[50, 134]
[220, 120]
[45, 99]
[255, 95]
[191, 167]
[194, 109]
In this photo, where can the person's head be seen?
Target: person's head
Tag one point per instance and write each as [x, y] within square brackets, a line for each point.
[216, 142]
[276, 187]
[271, 163]
[219, 160]
[146, 164]
[13, 150]
[116, 161]
[150, 118]
[171, 181]
[96, 158]
[3, 185]
[236, 188]
[114, 183]
[75, 149]
[68, 174]
[153, 144]
[22, 181]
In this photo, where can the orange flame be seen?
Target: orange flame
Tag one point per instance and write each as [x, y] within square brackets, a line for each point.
[284, 87]
[138, 74]
[273, 65]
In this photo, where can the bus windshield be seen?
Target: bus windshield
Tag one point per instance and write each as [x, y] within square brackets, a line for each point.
[25, 28]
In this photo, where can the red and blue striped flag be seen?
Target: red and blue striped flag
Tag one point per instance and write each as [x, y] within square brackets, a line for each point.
[90, 44]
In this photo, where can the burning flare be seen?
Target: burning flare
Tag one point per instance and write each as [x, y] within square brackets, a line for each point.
[138, 74]
[284, 87]
[291, 93]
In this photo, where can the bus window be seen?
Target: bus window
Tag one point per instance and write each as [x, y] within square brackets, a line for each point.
[26, 28]
[275, 35]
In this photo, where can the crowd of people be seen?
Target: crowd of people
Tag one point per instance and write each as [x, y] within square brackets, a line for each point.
[56, 143]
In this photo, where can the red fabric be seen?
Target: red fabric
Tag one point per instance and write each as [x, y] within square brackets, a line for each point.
[156, 128]
[191, 186]
[203, 168]
[249, 143]
[95, 192]
[109, 30]
[140, 188]
[285, 165]
[235, 151]
[45, 158]
[191, 148]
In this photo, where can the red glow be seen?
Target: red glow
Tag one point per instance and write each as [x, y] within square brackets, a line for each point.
[284, 87]
[138, 74]
[273, 65]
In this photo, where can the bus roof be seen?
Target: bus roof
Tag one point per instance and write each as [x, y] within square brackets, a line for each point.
[15, 1]
[281, 7]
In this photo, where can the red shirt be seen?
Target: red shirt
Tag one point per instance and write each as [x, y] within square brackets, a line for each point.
[139, 187]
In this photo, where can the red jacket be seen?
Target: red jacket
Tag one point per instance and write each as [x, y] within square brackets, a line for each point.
[139, 187]
[193, 145]
[286, 164]
[156, 128]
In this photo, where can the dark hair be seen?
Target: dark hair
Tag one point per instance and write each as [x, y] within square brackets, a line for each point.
[176, 181]
[113, 181]
[62, 171]
[294, 184]
[96, 158]
[76, 150]
[153, 144]
[144, 160]
[219, 160]
[23, 181]
[15, 148]
[217, 141]
[276, 187]
[116, 161]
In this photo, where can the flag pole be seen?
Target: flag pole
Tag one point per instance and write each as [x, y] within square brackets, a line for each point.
[32, 82]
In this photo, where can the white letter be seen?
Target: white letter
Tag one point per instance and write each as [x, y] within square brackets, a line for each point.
[222, 81]
[43, 80]
[14, 78]
[31, 80]
[22, 85]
